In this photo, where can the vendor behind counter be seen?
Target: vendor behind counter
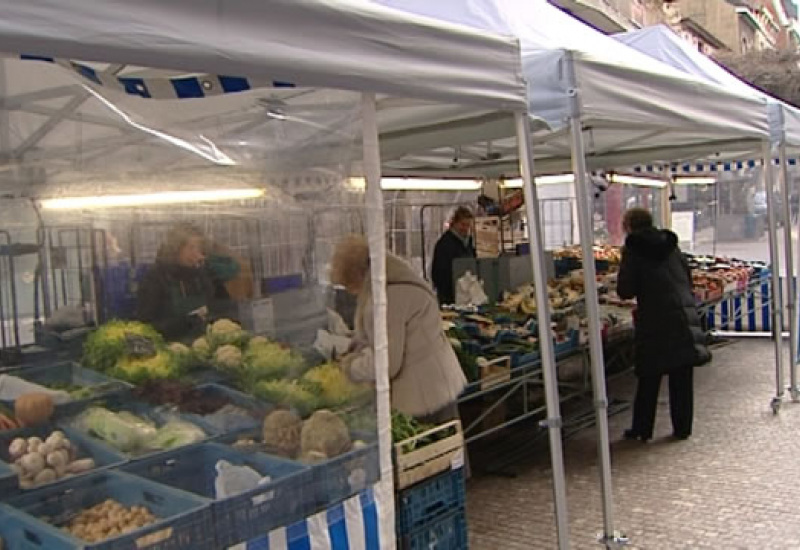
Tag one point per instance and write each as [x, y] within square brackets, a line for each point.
[192, 282]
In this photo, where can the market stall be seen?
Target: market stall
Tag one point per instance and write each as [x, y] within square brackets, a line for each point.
[290, 450]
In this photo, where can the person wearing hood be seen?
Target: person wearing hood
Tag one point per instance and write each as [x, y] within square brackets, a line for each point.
[455, 243]
[425, 375]
[185, 286]
[668, 339]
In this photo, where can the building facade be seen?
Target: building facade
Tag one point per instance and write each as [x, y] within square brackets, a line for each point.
[710, 25]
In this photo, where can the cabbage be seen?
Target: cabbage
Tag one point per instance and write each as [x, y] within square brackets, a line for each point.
[288, 394]
[334, 387]
[176, 433]
[126, 433]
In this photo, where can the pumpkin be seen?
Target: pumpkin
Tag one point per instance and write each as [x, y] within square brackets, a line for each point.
[32, 409]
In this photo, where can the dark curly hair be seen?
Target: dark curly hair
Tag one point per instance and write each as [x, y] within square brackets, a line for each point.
[637, 219]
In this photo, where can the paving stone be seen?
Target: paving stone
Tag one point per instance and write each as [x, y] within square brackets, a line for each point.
[730, 486]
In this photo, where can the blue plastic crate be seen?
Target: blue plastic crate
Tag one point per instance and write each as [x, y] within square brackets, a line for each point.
[118, 403]
[344, 476]
[231, 424]
[446, 533]
[21, 532]
[85, 445]
[185, 519]
[289, 497]
[74, 375]
[422, 503]
[571, 343]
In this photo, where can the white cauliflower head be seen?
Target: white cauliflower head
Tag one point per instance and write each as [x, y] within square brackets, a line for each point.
[324, 433]
[228, 357]
[224, 326]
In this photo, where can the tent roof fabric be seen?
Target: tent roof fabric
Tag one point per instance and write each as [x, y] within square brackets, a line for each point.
[633, 108]
[346, 44]
[663, 44]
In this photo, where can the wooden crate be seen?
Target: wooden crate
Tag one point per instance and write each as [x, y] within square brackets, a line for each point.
[412, 466]
[495, 372]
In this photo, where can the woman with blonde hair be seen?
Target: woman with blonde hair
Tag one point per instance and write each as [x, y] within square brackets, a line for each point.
[426, 378]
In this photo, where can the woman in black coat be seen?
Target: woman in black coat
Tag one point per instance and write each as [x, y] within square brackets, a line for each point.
[668, 337]
[455, 243]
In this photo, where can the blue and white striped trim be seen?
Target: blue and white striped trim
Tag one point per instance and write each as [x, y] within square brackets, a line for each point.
[706, 167]
[351, 525]
[189, 87]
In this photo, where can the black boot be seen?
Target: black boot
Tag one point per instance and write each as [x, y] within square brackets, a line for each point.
[633, 435]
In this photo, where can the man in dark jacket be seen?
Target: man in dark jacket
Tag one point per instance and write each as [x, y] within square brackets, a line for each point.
[455, 243]
[668, 337]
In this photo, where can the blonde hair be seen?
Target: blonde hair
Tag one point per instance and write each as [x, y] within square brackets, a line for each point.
[350, 262]
[177, 237]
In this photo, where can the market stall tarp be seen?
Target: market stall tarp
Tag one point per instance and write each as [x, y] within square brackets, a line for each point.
[660, 42]
[632, 108]
[345, 44]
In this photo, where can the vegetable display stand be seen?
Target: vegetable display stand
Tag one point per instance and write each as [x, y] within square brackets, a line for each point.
[416, 461]
[84, 448]
[183, 520]
[286, 498]
[84, 385]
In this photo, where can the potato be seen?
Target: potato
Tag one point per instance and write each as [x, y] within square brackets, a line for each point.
[18, 448]
[47, 475]
[33, 444]
[32, 463]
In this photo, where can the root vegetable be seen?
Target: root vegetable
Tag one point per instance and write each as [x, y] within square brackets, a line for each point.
[58, 459]
[80, 466]
[48, 475]
[32, 409]
[32, 463]
[33, 444]
[18, 448]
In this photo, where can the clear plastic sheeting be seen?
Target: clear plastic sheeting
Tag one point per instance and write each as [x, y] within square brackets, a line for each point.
[172, 243]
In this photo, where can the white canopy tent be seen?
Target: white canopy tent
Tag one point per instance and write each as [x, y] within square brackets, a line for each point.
[284, 48]
[659, 42]
[607, 105]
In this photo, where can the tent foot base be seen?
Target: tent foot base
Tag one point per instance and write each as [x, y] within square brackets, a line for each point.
[775, 404]
[613, 541]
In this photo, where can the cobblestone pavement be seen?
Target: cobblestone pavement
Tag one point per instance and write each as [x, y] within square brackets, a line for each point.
[729, 487]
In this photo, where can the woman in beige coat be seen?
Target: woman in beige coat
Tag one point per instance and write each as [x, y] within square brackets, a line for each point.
[426, 378]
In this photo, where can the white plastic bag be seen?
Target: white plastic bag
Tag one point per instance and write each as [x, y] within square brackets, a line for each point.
[12, 387]
[330, 345]
[234, 480]
[469, 291]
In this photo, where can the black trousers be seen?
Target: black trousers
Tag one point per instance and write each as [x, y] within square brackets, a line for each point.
[681, 403]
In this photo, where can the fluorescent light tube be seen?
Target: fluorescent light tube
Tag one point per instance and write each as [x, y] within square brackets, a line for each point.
[150, 199]
[636, 180]
[694, 180]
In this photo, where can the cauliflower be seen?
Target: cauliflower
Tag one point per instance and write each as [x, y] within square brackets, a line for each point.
[228, 358]
[178, 348]
[281, 433]
[288, 394]
[324, 434]
[202, 348]
[258, 341]
[226, 332]
[269, 360]
[334, 388]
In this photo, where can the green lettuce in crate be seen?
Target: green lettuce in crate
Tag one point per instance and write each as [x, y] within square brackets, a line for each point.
[136, 370]
[107, 345]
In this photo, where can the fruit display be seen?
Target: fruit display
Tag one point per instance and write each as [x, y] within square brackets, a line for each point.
[38, 461]
[602, 252]
[108, 519]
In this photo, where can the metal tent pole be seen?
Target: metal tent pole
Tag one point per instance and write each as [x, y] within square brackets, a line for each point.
[790, 296]
[777, 314]
[549, 372]
[609, 537]
[377, 253]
